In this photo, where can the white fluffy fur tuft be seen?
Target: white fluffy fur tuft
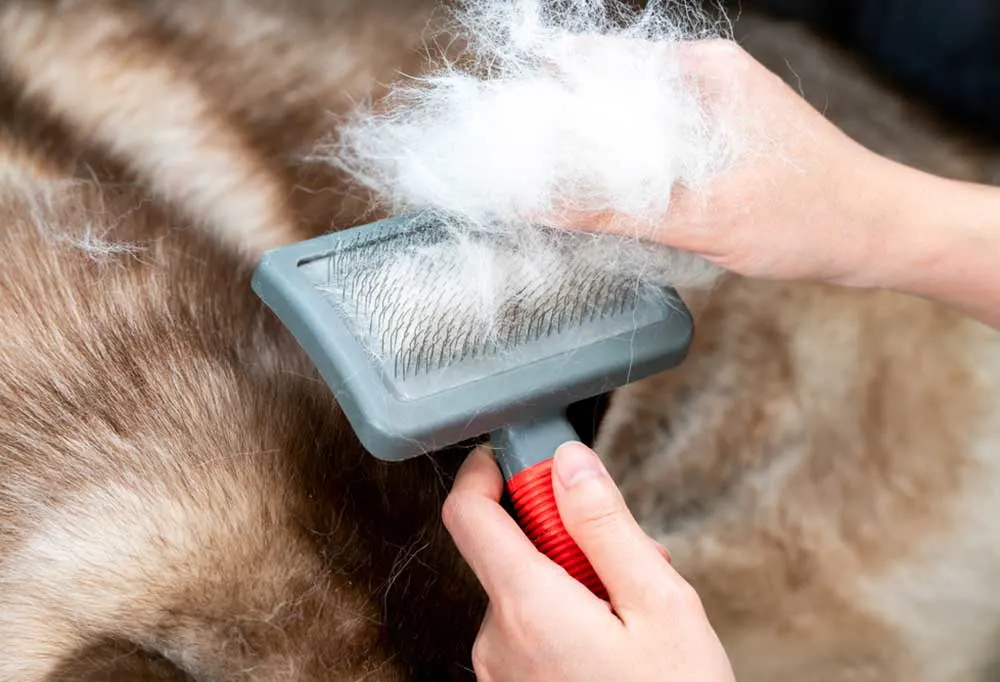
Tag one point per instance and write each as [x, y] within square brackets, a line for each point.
[553, 105]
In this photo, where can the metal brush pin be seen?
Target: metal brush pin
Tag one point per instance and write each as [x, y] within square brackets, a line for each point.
[419, 364]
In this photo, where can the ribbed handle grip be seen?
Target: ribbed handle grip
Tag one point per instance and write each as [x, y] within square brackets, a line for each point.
[534, 501]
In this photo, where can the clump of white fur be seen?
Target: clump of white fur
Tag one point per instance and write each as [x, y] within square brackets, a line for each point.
[554, 105]
[560, 104]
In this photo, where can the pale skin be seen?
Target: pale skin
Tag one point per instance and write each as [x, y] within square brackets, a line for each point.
[820, 208]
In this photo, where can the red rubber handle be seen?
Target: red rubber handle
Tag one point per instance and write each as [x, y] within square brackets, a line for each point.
[534, 501]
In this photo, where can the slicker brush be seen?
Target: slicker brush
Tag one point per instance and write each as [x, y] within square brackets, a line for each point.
[419, 364]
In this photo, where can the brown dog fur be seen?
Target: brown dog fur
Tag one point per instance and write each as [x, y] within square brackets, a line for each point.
[179, 494]
[181, 499]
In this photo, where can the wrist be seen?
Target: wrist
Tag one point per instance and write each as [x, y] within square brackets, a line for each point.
[884, 245]
[936, 238]
[871, 243]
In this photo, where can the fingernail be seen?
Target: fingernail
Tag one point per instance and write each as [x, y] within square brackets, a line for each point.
[575, 462]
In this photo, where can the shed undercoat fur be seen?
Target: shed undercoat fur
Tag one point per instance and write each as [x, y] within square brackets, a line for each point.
[180, 498]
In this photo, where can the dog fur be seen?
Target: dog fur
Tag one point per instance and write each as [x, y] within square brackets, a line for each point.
[180, 498]
[179, 493]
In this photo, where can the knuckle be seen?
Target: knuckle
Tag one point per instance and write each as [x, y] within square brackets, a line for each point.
[716, 57]
[688, 598]
[603, 522]
[676, 595]
[721, 48]
[453, 509]
[480, 664]
[603, 514]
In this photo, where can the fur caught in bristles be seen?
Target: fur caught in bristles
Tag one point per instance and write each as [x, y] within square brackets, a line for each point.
[552, 105]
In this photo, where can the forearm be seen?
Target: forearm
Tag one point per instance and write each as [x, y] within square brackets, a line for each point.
[942, 242]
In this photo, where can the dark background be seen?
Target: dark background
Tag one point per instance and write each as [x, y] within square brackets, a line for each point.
[946, 52]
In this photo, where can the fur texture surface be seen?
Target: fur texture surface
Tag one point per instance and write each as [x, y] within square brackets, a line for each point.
[524, 120]
[546, 79]
[180, 498]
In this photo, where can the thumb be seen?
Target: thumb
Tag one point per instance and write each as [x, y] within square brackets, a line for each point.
[595, 515]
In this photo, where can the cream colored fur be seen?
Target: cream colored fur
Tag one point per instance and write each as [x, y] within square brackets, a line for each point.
[181, 499]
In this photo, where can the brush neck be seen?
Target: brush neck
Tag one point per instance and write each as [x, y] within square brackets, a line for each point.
[524, 452]
[524, 444]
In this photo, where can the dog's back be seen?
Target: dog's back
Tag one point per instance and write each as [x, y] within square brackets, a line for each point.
[182, 499]
[176, 479]
[179, 494]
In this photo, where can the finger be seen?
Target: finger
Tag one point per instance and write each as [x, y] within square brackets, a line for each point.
[496, 549]
[595, 515]
[711, 62]
[479, 473]
[598, 221]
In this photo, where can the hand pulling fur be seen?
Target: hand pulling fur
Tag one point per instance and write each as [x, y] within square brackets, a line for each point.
[464, 315]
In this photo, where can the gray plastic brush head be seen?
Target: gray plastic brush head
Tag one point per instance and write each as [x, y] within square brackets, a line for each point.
[418, 365]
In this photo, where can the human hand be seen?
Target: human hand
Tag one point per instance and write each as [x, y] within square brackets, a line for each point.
[541, 623]
[802, 201]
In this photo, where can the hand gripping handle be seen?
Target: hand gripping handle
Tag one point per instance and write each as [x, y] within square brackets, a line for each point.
[524, 452]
